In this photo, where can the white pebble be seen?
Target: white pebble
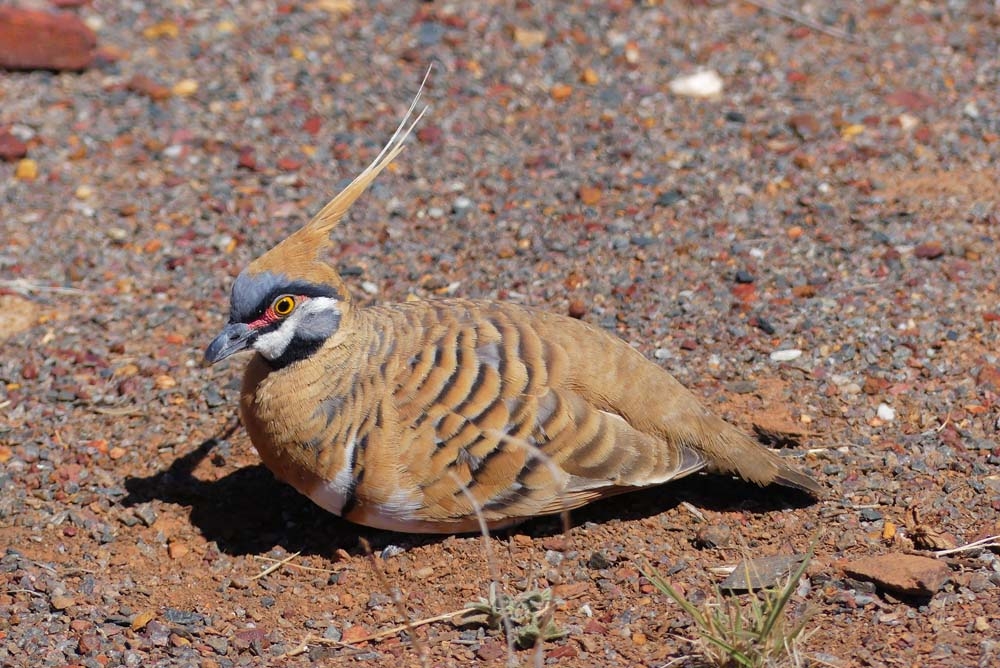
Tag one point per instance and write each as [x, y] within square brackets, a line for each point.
[786, 355]
[907, 122]
[706, 83]
[369, 287]
[886, 413]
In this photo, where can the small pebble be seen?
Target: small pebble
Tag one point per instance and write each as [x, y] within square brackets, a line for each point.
[870, 515]
[26, 170]
[786, 355]
[706, 83]
[886, 413]
[146, 514]
[713, 535]
[598, 561]
[185, 88]
[61, 602]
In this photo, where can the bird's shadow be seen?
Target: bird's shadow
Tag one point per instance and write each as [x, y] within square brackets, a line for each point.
[249, 511]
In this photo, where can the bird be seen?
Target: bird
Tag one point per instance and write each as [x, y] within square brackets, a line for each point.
[445, 415]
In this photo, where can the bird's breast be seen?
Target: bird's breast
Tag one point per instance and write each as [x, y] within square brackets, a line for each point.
[297, 422]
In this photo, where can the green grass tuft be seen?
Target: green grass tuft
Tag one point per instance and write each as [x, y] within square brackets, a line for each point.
[757, 634]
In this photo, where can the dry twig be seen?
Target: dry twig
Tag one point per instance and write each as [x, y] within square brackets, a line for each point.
[804, 20]
[275, 566]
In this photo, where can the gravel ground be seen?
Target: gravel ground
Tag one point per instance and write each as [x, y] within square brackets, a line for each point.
[837, 198]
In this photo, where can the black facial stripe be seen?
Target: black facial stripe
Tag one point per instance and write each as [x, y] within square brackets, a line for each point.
[297, 349]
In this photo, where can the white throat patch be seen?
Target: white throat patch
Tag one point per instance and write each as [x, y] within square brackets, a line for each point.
[274, 344]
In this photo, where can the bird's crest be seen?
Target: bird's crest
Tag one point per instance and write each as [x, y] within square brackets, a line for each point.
[302, 255]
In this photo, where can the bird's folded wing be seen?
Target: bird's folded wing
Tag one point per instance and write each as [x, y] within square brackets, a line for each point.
[489, 419]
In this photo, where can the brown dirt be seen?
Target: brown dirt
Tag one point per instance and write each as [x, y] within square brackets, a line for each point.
[561, 173]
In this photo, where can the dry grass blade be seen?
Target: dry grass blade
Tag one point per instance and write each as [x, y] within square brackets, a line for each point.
[804, 20]
[492, 564]
[25, 287]
[982, 543]
[300, 567]
[752, 636]
[275, 566]
[395, 630]
[397, 600]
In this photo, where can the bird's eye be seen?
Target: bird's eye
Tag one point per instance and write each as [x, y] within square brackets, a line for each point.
[283, 305]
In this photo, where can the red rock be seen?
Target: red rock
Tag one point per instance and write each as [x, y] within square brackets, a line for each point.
[929, 251]
[589, 195]
[491, 650]
[88, 643]
[804, 291]
[312, 125]
[354, 634]
[430, 134]
[805, 126]
[907, 574]
[989, 375]
[875, 385]
[11, 148]
[909, 99]
[143, 85]
[577, 308]
[562, 652]
[289, 164]
[247, 160]
[745, 292]
[36, 40]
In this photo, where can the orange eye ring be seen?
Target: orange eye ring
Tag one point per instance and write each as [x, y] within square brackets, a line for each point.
[283, 305]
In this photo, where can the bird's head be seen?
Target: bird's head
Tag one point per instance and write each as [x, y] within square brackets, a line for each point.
[289, 301]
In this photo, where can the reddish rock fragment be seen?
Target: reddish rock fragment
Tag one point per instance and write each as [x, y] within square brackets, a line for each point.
[562, 652]
[11, 148]
[910, 100]
[313, 125]
[907, 574]
[989, 376]
[247, 159]
[589, 195]
[143, 85]
[430, 134]
[491, 650]
[806, 126]
[930, 250]
[36, 40]
[875, 385]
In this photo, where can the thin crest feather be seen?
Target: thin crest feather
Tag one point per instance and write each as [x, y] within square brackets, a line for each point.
[331, 214]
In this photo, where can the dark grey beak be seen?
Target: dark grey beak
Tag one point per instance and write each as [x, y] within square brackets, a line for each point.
[236, 336]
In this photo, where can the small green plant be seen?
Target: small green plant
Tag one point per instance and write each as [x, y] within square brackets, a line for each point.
[528, 614]
[755, 635]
